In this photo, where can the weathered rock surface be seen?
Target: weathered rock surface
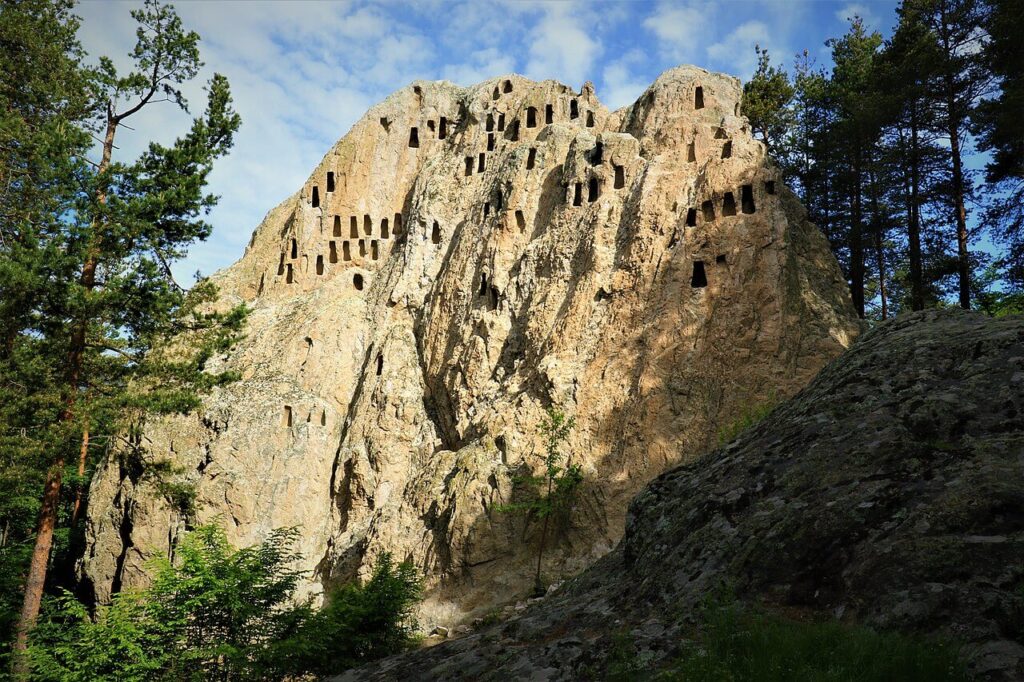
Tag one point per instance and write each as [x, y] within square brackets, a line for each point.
[889, 492]
[460, 261]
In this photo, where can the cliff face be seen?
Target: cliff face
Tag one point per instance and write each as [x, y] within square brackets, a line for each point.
[889, 492]
[460, 261]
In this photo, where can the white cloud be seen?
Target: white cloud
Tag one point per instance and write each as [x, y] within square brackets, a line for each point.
[562, 48]
[736, 50]
[856, 9]
[619, 85]
[681, 29]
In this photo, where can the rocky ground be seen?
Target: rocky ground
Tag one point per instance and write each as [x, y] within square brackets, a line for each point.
[889, 492]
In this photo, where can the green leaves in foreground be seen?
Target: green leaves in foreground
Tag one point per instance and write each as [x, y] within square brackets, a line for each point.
[217, 613]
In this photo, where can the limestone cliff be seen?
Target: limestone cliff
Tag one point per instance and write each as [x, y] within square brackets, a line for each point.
[460, 261]
[889, 492]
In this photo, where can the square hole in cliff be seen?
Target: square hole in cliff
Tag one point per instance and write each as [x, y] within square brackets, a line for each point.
[490, 142]
[698, 98]
[330, 181]
[398, 224]
[620, 177]
[290, 274]
[708, 209]
[295, 248]
[316, 197]
[577, 196]
[414, 137]
[353, 227]
[333, 252]
[691, 217]
[549, 114]
[487, 208]
[496, 94]
[699, 279]
[319, 265]
[286, 416]
[489, 126]
[280, 266]
[337, 226]
[367, 225]
[590, 119]
[531, 158]
[430, 126]
[747, 198]
[520, 220]
[574, 109]
[469, 166]
[531, 117]
[435, 234]
[691, 152]
[769, 187]
[483, 284]
[380, 364]
[362, 248]
[357, 281]
[728, 204]
[374, 250]
[506, 86]
[727, 150]
[384, 232]
[442, 128]
[501, 122]
[346, 251]
[513, 131]
[720, 259]
[593, 189]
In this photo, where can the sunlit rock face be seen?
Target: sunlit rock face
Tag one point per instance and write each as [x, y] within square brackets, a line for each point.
[462, 260]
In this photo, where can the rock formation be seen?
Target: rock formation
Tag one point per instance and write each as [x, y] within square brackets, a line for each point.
[889, 492]
[460, 261]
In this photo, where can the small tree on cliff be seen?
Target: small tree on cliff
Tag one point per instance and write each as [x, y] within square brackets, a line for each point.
[89, 264]
[555, 489]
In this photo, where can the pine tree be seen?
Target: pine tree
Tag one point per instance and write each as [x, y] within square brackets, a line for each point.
[98, 302]
[766, 103]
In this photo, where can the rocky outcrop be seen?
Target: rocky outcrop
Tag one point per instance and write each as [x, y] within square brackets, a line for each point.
[889, 492]
[459, 262]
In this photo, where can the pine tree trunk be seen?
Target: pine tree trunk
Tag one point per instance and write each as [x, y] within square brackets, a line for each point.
[914, 226]
[857, 241]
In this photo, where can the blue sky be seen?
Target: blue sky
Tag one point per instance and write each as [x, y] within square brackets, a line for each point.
[303, 72]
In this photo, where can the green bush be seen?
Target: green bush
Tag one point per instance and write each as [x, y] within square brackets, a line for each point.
[217, 613]
[738, 646]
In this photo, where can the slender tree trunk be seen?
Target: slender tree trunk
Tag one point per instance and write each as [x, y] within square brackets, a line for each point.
[857, 240]
[83, 454]
[537, 585]
[876, 220]
[36, 580]
[914, 227]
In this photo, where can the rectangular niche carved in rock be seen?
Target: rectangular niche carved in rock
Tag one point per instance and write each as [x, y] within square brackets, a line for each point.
[549, 114]
[337, 226]
[483, 284]
[699, 279]
[414, 137]
[346, 251]
[593, 189]
[357, 281]
[398, 224]
[720, 259]
[380, 364]
[481, 163]
[531, 158]
[319, 264]
[442, 129]
[367, 224]
[727, 150]
[577, 197]
[316, 197]
[489, 125]
[333, 252]
[590, 119]
[490, 142]
[769, 187]
[374, 250]
[708, 209]
[487, 208]
[501, 122]
[514, 131]
[729, 204]
[290, 276]
[691, 152]
[469, 166]
[698, 98]
[295, 248]
[507, 86]
[330, 181]
[435, 234]
[430, 125]
[574, 109]
[384, 233]
[353, 227]
[620, 177]
[280, 266]
[747, 198]
[691, 217]
[531, 117]
[286, 416]
[362, 248]
[520, 220]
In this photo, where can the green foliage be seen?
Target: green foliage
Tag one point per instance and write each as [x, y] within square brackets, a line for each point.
[766, 99]
[749, 416]
[738, 646]
[216, 613]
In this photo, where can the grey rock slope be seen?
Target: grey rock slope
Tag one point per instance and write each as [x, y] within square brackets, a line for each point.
[889, 492]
